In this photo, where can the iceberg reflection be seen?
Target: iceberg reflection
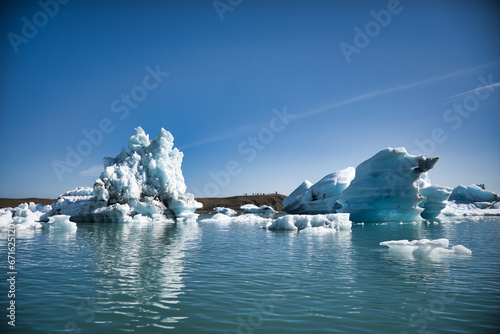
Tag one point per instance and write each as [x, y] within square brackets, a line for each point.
[142, 267]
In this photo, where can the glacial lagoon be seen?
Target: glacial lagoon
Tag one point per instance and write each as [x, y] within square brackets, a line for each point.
[236, 277]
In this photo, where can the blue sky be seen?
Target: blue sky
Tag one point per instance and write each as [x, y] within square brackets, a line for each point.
[425, 76]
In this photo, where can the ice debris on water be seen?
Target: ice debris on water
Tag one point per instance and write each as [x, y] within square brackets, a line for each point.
[425, 247]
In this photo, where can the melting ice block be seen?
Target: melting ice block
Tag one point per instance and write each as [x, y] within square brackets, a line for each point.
[147, 180]
[252, 208]
[425, 247]
[338, 221]
[472, 194]
[385, 187]
[217, 218]
[60, 222]
[322, 197]
[225, 211]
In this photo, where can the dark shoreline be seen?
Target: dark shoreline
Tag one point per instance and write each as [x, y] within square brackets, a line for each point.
[13, 202]
[233, 202]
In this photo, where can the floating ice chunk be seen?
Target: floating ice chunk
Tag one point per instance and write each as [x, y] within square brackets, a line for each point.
[25, 216]
[138, 219]
[337, 221]
[471, 209]
[322, 197]
[321, 230]
[5, 218]
[243, 220]
[385, 187]
[459, 249]
[252, 208]
[217, 218]
[60, 222]
[424, 247]
[225, 211]
[472, 194]
[283, 223]
[251, 219]
[32, 211]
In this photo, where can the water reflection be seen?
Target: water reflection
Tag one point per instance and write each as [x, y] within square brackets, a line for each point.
[141, 268]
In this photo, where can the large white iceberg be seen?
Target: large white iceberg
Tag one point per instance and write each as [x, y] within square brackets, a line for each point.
[385, 187]
[147, 180]
[320, 198]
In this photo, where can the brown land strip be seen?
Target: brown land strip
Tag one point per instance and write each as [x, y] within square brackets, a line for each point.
[234, 202]
[13, 202]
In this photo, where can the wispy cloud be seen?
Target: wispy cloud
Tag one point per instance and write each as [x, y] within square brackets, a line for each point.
[473, 91]
[391, 90]
[95, 170]
[249, 128]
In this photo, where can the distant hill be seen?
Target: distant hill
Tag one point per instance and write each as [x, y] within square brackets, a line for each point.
[234, 202]
[13, 202]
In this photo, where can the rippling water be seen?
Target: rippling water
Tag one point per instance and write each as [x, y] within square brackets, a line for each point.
[239, 278]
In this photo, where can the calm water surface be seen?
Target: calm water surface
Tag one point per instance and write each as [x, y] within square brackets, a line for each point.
[239, 278]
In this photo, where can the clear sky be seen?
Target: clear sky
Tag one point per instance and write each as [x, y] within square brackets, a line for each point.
[259, 95]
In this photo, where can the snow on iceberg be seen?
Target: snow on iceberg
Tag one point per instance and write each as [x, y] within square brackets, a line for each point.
[472, 201]
[336, 221]
[320, 198]
[471, 209]
[225, 211]
[424, 247]
[385, 187]
[472, 194]
[252, 208]
[147, 180]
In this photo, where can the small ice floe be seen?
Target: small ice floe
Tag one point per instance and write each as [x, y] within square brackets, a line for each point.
[240, 220]
[252, 208]
[320, 230]
[60, 222]
[333, 221]
[424, 247]
[225, 211]
[217, 218]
